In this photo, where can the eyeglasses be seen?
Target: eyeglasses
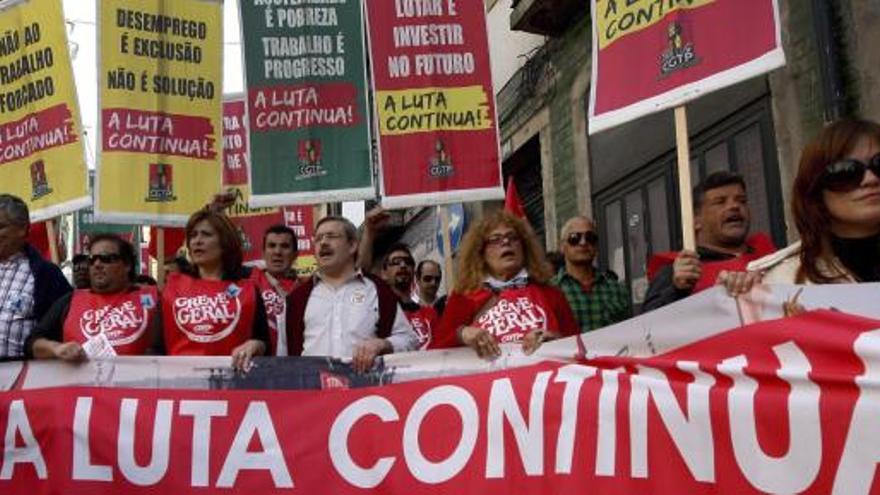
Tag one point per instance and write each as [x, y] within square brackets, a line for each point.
[330, 236]
[502, 239]
[846, 175]
[402, 261]
[429, 279]
[104, 258]
[575, 238]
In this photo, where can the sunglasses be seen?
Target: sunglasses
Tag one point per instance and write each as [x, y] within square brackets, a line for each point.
[431, 279]
[575, 238]
[502, 239]
[846, 175]
[401, 262]
[104, 258]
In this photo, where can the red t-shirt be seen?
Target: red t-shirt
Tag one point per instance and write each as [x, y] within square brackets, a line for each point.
[126, 318]
[516, 312]
[275, 308]
[207, 317]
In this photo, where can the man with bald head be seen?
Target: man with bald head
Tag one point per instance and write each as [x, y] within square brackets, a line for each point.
[596, 298]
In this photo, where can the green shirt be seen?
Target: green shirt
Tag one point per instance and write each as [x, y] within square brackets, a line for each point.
[606, 303]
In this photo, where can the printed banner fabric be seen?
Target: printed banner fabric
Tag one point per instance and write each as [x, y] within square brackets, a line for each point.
[652, 55]
[41, 150]
[307, 102]
[251, 222]
[435, 106]
[302, 220]
[160, 90]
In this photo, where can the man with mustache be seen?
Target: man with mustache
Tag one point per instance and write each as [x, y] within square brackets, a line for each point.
[344, 312]
[721, 223]
[397, 267]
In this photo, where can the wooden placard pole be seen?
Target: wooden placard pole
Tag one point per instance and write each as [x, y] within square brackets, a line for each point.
[449, 276]
[682, 144]
[160, 256]
[53, 240]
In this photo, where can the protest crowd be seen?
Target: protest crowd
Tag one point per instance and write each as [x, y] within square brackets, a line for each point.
[506, 291]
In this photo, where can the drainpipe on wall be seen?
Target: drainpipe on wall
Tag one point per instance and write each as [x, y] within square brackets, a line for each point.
[831, 66]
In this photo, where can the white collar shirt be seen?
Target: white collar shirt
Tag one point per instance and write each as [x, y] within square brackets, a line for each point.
[16, 305]
[337, 319]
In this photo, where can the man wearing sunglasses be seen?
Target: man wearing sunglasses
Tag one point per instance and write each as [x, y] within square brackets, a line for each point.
[111, 317]
[28, 283]
[397, 267]
[596, 298]
[721, 224]
[428, 278]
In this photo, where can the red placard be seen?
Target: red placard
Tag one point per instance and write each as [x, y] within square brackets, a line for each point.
[434, 101]
[649, 56]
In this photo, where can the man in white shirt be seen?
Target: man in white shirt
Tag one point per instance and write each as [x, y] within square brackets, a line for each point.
[343, 312]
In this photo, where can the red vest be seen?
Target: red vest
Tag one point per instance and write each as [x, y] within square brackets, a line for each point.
[275, 307]
[423, 321]
[759, 244]
[125, 318]
[207, 317]
[517, 312]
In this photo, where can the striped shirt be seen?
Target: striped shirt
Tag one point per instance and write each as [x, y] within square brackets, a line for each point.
[16, 305]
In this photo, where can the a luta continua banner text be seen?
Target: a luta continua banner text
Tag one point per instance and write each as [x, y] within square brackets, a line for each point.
[307, 102]
[658, 404]
[160, 91]
[650, 55]
[438, 136]
[41, 150]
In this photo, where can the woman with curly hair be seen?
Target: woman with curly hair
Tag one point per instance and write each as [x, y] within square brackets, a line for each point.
[502, 293]
[214, 308]
[836, 206]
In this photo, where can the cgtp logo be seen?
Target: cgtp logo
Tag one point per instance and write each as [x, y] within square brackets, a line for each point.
[680, 54]
[440, 165]
[310, 159]
[161, 187]
[39, 180]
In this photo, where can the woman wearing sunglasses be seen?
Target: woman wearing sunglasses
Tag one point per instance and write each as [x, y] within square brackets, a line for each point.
[214, 309]
[836, 206]
[502, 295]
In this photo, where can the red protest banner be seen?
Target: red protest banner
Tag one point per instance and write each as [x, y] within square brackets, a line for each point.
[251, 222]
[302, 220]
[434, 102]
[649, 56]
[781, 406]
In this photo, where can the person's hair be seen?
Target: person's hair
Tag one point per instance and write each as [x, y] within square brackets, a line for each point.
[421, 266]
[16, 209]
[230, 242]
[79, 258]
[183, 264]
[473, 268]
[556, 260]
[714, 181]
[281, 229]
[811, 216]
[395, 248]
[126, 251]
[350, 229]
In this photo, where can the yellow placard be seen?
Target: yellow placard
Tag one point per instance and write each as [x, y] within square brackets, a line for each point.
[619, 18]
[41, 152]
[408, 111]
[161, 94]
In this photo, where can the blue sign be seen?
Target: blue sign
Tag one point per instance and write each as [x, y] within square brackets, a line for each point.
[456, 226]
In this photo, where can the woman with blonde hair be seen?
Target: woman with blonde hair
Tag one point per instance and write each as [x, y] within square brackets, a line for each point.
[502, 293]
[836, 207]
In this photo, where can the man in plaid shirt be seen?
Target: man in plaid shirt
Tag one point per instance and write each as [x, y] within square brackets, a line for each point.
[597, 299]
[28, 283]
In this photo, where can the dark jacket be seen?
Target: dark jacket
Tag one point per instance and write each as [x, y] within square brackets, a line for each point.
[49, 283]
[662, 292]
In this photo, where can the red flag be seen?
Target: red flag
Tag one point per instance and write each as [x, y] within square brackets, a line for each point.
[512, 202]
[174, 239]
